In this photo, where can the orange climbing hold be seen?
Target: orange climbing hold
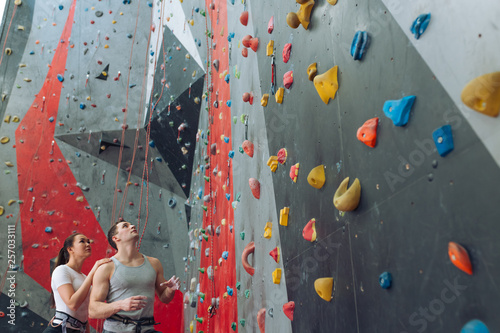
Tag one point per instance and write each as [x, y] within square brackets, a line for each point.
[244, 18]
[459, 257]
[327, 84]
[248, 147]
[261, 320]
[294, 172]
[251, 42]
[272, 162]
[324, 287]
[254, 187]
[289, 309]
[284, 216]
[316, 177]
[275, 254]
[282, 155]
[249, 249]
[368, 132]
[309, 231]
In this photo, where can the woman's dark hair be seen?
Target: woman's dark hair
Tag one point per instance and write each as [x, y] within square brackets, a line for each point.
[62, 259]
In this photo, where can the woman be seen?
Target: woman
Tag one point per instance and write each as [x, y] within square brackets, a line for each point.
[70, 287]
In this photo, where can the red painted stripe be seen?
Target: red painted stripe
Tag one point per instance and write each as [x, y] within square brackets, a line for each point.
[224, 275]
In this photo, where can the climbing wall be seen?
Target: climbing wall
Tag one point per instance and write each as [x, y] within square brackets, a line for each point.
[232, 156]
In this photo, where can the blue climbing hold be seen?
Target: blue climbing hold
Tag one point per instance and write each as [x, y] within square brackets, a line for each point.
[152, 53]
[420, 24]
[226, 139]
[152, 144]
[359, 44]
[132, 85]
[443, 139]
[230, 36]
[227, 78]
[229, 291]
[71, 193]
[200, 192]
[475, 326]
[202, 168]
[32, 52]
[232, 2]
[48, 230]
[228, 103]
[199, 43]
[158, 159]
[231, 154]
[385, 280]
[196, 9]
[228, 196]
[225, 255]
[78, 154]
[82, 106]
[399, 111]
[150, 4]
[126, 2]
[61, 7]
[51, 119]
[129, 36]
[60, 77]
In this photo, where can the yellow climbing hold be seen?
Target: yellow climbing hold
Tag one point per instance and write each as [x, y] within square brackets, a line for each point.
[482, 94]
[272, 162]
[327, 84]
[223, 222]
[79, 198]
[277, 276]
[347, 199]
[121, 13]
[279, 95]
[114, 22]
[106, 46]
[11, 201]
[284, 216]
[20, 27]
[2, 210]
[264, 99]
[9, 164]
[268, 230]
[191, 22]
[7, 119]
[316, 177]
[8, 51]
[116, 119]
[324, 288]
[27, 79]
[194, 74]
[4, 139]
[312, 71]
[270, 48]
[15, 119]
[332, 2]
[22, 65]
[18, 2]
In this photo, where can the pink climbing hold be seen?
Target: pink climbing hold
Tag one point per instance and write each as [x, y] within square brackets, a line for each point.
[270, 25]
[286, 52]
[309, 231]
[288, 79]
[248, 147]
[288, 309]
[244, 18]
[254, 187]
[282, 155]
[248, 97]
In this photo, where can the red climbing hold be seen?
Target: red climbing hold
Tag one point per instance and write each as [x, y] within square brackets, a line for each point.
[251, 42]
[249, 249]
[248, 97]
[459, 257]
[275, 254]
[309, 231]
[294, 172]
[282, 154]
[244, 52]
[244, 18]
[248, 147]
[270, 25]
[286, 52]
[288, 79]
[255, 187]
[288, 309]
[261, 320]
[368, 132]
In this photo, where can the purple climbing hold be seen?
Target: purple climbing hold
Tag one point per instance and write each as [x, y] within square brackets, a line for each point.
[399, 111]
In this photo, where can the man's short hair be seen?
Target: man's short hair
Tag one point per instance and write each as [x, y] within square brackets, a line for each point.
[112, 231]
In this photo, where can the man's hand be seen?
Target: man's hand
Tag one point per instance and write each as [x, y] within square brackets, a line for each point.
[133, 303]
[173, 283]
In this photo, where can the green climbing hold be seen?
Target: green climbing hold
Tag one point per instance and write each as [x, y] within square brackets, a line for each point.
[247, 293]
[242, 235]
[238, 285]
[242, 322]
[233, 326]
[242, 118]
[235, 119]
[202, 270]
[206, 178]
[204, 207]
[240, 149]
[202, 230]
[205, 237]
[202, 296]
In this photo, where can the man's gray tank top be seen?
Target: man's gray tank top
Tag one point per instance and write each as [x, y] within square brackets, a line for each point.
[131, 281]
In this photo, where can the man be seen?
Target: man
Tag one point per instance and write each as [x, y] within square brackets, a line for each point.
[123, 290]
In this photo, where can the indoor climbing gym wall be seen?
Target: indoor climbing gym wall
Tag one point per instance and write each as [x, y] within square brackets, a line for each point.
[302, 166]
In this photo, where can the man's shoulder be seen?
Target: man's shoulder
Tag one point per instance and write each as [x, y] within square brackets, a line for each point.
[154, 262]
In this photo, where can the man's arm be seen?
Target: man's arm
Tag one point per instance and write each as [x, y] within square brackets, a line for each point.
[98, 308]
[164, 289]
